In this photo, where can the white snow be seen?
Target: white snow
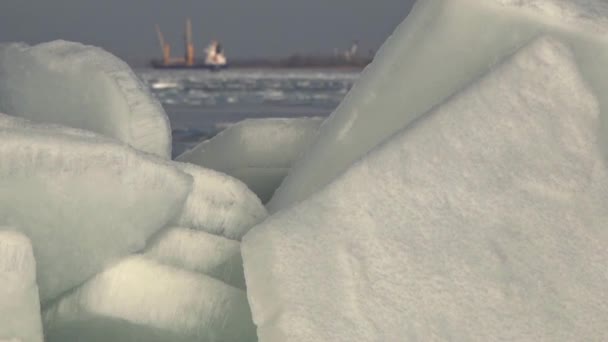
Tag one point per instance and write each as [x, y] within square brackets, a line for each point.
[219, 204]
[484, 220]
[142, 300]
[9, 121]
[442, 46]
[83, 87]
[257, 151]
[84, 201]
[199, 251]
[19, 304]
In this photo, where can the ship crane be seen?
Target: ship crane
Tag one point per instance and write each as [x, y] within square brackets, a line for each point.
[165, 48]
[214, 55]
[189, 46]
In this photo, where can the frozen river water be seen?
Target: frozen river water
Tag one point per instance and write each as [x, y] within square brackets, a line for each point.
[201, 103]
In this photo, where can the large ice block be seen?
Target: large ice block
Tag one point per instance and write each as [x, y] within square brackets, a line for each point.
[10, 121]
[442, 46]
[83, 87]
[484, 220]
[141, 300]
[198, 251]
[257, 151]
[84, 201]
[219, 204]
[19, 304]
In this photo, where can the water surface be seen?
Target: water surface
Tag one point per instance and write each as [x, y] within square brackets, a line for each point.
[200, 103]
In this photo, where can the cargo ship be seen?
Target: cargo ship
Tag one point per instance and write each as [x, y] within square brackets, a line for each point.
[214, 54]
[215, 59]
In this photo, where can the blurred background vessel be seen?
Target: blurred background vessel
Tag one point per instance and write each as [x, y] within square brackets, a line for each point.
[215, 58]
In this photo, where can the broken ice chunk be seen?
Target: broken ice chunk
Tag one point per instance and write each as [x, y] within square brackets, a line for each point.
[219, 204]
[198, 251]
[484, 220]
[141, 300]
[19, 304]
[257, 151]
[83, 200]
[83, 87]
[442, 46]
[10, 121]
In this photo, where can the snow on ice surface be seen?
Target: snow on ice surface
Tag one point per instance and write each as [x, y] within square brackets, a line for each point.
[483, 220]
[82, 200]
[142, 300]
[442, 46]
[257, 151]
[199, 251]
[19, 304]
[219, 204]
[9, 121]
[83, 87]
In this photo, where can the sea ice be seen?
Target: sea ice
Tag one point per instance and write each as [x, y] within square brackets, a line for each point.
[19, 304]
[199, 251]
[83, 201]
[9, 121]
[83, 87]
[142, 300]
[442, 46]
[257, 151]
[484, 220]
[219, 204]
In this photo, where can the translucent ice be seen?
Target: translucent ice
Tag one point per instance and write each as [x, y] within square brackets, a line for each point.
[199, 251]
[442, 46]
[19, 304]
[82, 200]
[83, 87]
[484, 220]
[257, 151]
[142, 300]
[219, 204]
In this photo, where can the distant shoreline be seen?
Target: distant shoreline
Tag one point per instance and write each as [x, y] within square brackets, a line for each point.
[294, 62]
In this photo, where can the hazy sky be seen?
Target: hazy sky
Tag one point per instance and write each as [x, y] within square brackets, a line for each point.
[246, 28]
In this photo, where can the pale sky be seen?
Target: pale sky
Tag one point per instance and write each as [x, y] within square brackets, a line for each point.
[246, 28]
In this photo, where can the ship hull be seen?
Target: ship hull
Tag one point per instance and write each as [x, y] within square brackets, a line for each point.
[160, 65]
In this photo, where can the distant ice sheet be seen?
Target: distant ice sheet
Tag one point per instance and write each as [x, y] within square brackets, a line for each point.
[249, 88]
[484, 220]
[83, 87]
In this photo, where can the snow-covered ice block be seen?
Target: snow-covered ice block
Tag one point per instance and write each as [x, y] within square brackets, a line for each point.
[263, 181]
[485, 220]
[442, 46]
[219, 204]
[10, 121]
[82, 200]
[83, 87]
[142, 300]
[19, 304]
[252, 143]
[199, 251]
[257, 151]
